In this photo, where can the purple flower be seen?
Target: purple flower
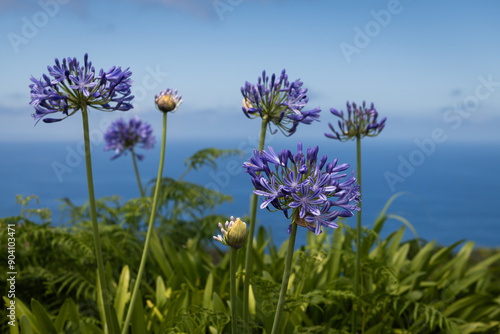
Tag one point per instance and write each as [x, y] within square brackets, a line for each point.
[73, 86]
[298, 182]
[360, 122]
[292, 182]
[82, 82]
[270, 191]
[122, 136]
[279, 101]
[307, 201]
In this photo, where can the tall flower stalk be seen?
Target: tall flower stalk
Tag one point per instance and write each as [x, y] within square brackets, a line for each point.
[123, 136]
[234, 234]
[73, 88]
[275, 101]
[360, 122]
[298, 183]
[166, 102]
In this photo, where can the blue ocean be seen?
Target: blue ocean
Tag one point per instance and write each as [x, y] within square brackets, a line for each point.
[450, 191]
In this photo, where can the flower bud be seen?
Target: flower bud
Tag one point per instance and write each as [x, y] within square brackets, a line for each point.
[235, 235]
[168, 100]
[165, 103]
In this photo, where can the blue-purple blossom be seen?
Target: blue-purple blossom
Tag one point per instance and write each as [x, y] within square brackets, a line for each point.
[123, 136]
[278, 101]
[74, 87]
[360, 122]
[298, 182]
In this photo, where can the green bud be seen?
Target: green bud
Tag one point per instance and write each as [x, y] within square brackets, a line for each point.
[237, 234]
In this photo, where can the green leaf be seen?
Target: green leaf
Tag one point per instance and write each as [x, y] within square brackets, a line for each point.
[375, 329]
[23, 311]
[337, 246]
[44, 324]
[208, 291]
[421, 259]
[207, 156]
[218, 304]
[471, 301]
[138, 323]
[161, 296]
[68, 312]
[26, 325]
[122, 293]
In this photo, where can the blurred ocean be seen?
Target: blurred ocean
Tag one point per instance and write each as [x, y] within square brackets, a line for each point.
[452, 189]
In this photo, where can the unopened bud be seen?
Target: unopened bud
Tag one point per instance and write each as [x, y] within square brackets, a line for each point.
[168, 100]
[235, 235]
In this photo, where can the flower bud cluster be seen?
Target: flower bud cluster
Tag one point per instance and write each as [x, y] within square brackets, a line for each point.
[360, 122]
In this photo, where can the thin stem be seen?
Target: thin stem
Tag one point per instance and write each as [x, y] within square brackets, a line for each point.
[184, 174]
[105, 295]
[357, 267]
[137, 174]
[286, 278]
[150, 229]
[251, 232]
[234, 313]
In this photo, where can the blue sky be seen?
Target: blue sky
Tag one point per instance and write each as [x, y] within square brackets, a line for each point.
[425, 64]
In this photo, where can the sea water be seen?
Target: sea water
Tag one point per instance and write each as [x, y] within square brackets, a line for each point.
[449, 193]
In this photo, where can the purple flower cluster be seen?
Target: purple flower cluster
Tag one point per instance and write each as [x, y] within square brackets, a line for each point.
[122, 136]
[360, 122]
[73, 86]
[279, 101]
[298, 182]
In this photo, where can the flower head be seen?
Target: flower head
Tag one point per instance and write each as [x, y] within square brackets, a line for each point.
[279, 101]
[168, 100]
[234, 234]
[298, 182]
[122, 136]
[73, 86]
[360, 122]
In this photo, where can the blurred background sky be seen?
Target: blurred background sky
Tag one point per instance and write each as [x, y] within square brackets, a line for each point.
[425, 64]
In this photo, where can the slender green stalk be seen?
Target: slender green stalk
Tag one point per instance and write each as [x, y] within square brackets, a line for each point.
[137, 174]
[286, 278]
[357, 267]
[184, 174]
[150, 229]
[106, 299]
[251, 232]
[234, 313]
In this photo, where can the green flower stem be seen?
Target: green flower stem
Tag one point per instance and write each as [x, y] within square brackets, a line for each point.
[137, 173]
[150, 229]
[184, 174]
[357, 267]
[286, 278]
[234, 313]
[95, 227]
[251, 232]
